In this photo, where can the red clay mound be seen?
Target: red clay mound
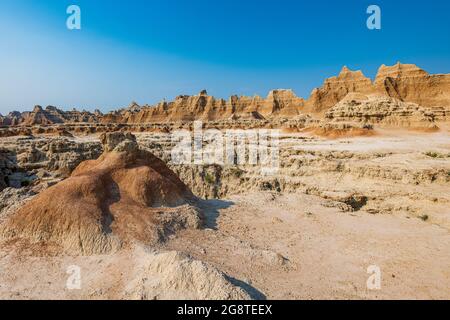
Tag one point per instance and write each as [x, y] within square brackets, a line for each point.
[331, 133]
[126, 195]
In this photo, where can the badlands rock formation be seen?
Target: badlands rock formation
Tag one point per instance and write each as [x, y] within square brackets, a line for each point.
[108, 216]
[336, 88]
[124, 196]
[401, 83]
[49, 115]
[409, 83]
[207, 108]
[308, 231]
[404, 82]
[75, 189]
[383, 111]
[30, 159]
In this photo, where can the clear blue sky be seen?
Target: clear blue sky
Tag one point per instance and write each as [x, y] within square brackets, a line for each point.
[150, 50]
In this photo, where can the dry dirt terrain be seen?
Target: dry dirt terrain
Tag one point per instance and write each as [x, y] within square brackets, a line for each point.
[309, 231]
[353, 204]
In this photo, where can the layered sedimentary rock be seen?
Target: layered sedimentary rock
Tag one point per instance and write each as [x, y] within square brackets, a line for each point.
[126, 195]
[26, 160]
[11, 119]
[409, 83]
[404, 82]
[49, 115]
[207, 108]
[336, 88]
[381, 111]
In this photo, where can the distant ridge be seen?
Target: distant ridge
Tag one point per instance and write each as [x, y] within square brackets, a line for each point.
[404, 82]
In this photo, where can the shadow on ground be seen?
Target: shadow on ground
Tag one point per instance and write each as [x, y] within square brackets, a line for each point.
[254, 293]
[210, 209]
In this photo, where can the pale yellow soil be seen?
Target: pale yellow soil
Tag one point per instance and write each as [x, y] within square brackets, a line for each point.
[306, 241]
[327, 252]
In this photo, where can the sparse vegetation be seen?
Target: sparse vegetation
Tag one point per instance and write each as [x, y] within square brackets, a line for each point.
[437, 155]
[432, 154]
[209, 178]
[424, 217]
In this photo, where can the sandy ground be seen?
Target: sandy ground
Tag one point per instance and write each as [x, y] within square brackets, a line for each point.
[297, 244]
[274, 246]
[325, 252]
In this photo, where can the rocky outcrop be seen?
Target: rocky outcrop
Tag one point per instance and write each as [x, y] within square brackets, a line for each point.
[404, 82]
[11, 119]
[11, 199]
[33, 159]
[336, 88]
[119, 141]
[382, 111]
[409, 83]
[49, 115]
[126, 195]
[207, 108]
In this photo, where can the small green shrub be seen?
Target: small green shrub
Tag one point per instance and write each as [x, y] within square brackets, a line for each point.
[432, 154]
[209, 178]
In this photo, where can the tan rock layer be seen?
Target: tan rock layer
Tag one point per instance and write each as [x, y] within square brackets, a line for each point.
[383, 111]
[405, 82]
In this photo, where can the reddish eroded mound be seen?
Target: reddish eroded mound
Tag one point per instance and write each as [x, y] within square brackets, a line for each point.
[126, 195]
[341, 131]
